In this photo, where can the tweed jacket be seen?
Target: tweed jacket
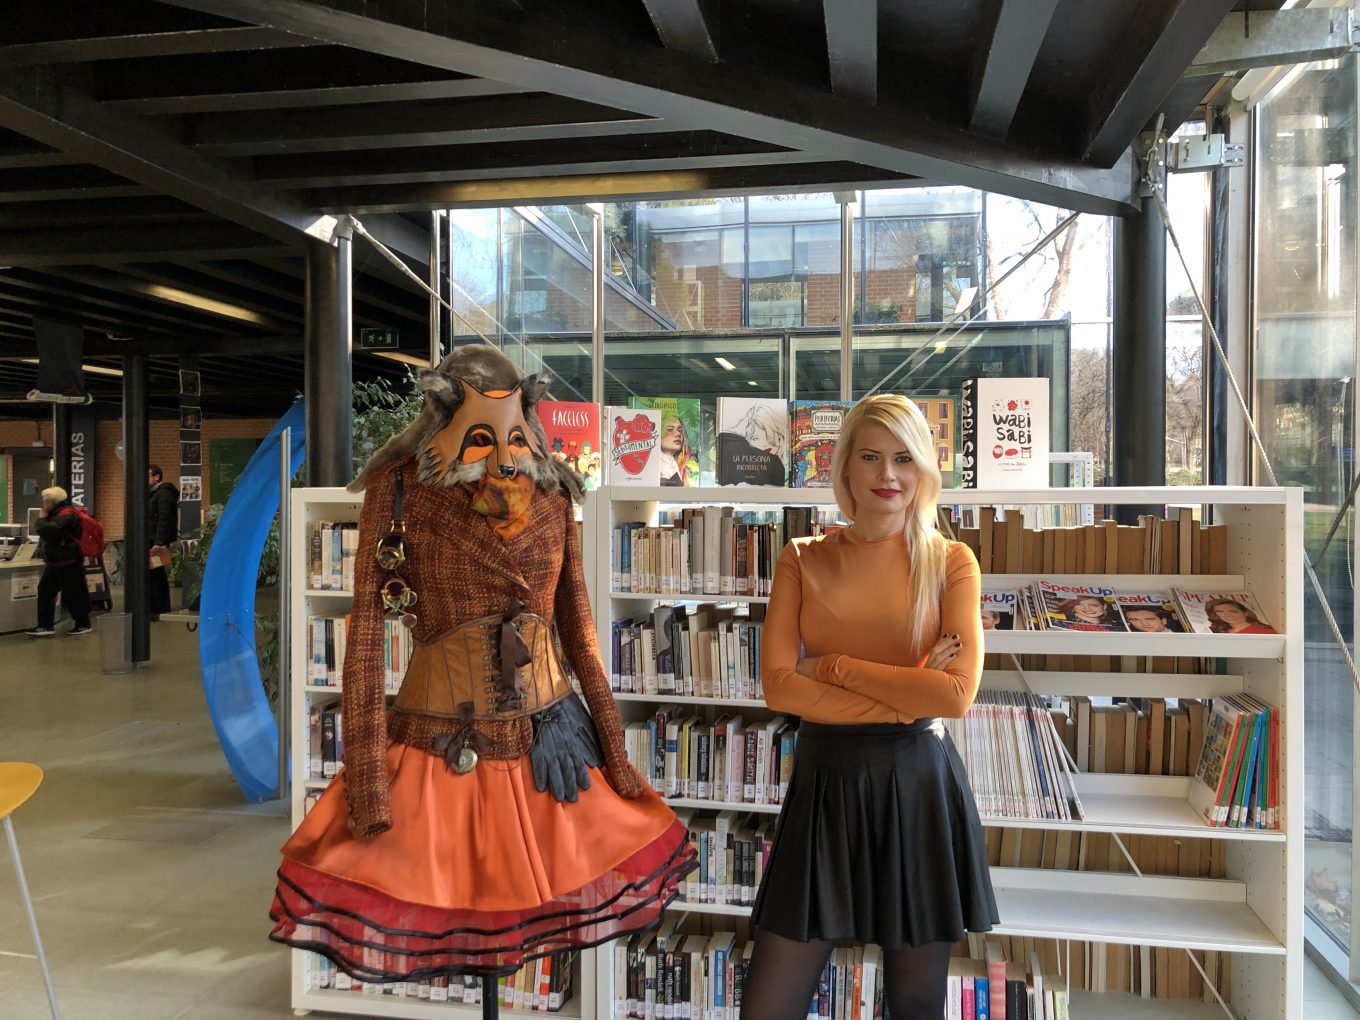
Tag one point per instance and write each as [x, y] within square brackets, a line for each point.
[461, 571]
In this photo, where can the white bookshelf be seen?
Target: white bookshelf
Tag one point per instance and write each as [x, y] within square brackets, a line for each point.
[336, 504]
[1256, 912]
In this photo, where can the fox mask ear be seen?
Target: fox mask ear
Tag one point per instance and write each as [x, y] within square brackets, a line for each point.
[436, 386]
[534, 389]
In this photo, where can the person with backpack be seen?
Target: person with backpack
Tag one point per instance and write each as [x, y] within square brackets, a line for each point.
[59, 544]
[162, 521]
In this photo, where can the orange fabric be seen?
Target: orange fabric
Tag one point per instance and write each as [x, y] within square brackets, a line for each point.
[845, 600]
[487, 840]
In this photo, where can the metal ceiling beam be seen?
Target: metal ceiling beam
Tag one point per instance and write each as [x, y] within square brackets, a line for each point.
[606, 187]
[212, 309]
[152, 242]
[688, 150]
[130, 212]
[34, 102]
[281, 97]
[1161, 40]
[382, 125]
[147, 44]
[286, 313]
[98, 345]
[686, 26]
[56, 184]
[852, 48]
[1276, 38]
[18, 151]
[750, 101]
[1012, 34]
[52, 295]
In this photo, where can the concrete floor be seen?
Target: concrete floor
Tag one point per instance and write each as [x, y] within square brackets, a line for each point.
[151, 879]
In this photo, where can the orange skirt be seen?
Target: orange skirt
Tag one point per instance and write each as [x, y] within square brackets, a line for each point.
[479, 872]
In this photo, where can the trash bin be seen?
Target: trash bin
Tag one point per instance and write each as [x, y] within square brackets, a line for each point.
[115, 642]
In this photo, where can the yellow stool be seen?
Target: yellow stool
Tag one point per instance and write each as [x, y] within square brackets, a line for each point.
[19, 780]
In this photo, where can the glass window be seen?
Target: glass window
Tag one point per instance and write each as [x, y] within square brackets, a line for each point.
[1305, 409]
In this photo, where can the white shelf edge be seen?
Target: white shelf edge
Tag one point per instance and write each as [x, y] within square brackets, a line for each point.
[1174, 495]
[1190, 646]
[720, 909]
[312, 593]
[1126, 1006]
[696, 804]
[662, 597]
[679, 699]
[1130, 582]
[400, 1008]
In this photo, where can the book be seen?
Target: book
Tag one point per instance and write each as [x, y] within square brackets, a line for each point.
[1003, 432]
[634, 436]
[573, 431]
[1151, 612]
[814, 426]
[753, 441]
[680, 437]
[999, 606]
[1079, 607]
[1222, 612]
[941, 413]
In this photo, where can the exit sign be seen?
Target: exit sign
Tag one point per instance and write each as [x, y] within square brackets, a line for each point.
[379, 339]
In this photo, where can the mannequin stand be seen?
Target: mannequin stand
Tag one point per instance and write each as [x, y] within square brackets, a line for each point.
[491, 1001]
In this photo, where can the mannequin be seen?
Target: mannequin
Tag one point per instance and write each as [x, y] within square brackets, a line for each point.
[489, 816]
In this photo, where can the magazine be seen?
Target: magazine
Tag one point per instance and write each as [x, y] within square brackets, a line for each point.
[753, 441]
[680, 437]
[1000, 609]
[573, 431]
[633, 437]
[813, 428]
[1079, 607]
[1151, 612]
[1222, 612]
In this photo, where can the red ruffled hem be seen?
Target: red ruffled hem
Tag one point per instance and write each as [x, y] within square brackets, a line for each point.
[376, 937]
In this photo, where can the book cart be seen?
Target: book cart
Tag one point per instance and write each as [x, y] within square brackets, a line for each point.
[315, 505]
[1255, 913]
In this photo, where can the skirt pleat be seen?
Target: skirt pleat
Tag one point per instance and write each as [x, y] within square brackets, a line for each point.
[879, 841]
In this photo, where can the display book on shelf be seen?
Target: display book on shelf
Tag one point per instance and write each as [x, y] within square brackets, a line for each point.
[1254, 913]
[319, 592]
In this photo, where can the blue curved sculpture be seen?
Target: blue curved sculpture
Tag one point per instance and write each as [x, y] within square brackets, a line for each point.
[226, 637]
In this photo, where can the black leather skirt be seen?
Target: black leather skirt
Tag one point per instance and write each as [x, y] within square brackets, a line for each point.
[879, 840]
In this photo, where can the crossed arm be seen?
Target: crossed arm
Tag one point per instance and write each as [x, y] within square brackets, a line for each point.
[845, 689]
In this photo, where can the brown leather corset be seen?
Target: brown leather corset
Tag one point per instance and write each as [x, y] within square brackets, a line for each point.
[464, 665]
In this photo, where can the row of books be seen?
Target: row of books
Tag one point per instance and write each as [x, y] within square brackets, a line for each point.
[1138, 736]
[732, 853]
[1046, 604]
[1016, 761]
[541, 986]
[709, 652]
[331, 548]
[666, 974]
[328, 641]
[1149, 972]
[710, 550]
[768, 441]
[684, 755]
[1237, 781]
[1004, 545]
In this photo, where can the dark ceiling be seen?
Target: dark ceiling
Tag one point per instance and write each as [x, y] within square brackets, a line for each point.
[162, 164]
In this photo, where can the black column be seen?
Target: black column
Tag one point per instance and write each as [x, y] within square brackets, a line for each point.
[61, 445]
[328, 388]
[136, 541]
[1138, 369]
[1215, 381]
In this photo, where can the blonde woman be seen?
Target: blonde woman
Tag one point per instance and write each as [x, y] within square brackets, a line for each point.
[873, 634]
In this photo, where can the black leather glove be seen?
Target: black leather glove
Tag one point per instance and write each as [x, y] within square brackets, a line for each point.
[564, 747]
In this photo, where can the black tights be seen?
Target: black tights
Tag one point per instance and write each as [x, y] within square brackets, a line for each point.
[784, 972]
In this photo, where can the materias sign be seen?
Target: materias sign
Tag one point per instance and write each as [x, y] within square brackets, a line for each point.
[378, 339]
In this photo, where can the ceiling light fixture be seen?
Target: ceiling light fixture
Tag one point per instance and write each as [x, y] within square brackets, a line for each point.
[726, 364]
[93, 369]
[204, 304]
[405, 359]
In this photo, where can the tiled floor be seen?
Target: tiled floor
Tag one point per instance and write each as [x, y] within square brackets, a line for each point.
[151, 878]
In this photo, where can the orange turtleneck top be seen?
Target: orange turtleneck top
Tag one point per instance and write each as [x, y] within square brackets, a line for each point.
[845, 601]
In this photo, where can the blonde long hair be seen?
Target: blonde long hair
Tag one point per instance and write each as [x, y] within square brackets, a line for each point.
[927, 549]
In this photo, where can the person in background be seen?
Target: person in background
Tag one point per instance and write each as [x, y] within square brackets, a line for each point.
[162, 521]
[872, 635]
[64, 573]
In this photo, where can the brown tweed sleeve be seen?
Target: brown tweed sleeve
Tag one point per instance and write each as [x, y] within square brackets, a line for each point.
[576, 628]
[364, 722]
